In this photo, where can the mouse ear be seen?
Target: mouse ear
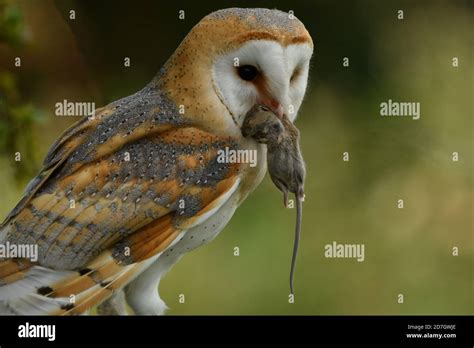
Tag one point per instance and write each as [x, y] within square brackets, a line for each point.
[247, 127]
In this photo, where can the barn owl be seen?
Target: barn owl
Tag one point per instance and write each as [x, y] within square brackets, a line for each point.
[125, 193]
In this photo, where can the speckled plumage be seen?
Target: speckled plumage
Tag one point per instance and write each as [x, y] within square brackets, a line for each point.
[124, 194]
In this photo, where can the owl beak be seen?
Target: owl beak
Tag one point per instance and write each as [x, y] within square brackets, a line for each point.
[273, 105]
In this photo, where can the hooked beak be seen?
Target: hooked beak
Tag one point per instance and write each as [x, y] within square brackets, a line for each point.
[273, 105]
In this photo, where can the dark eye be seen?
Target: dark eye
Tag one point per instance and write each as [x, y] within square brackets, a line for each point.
[295, 74]
[247, 72]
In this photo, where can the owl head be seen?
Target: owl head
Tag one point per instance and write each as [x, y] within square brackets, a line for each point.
[235, 58]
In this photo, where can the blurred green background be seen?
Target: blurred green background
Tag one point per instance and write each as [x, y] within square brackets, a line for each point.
[407, 251]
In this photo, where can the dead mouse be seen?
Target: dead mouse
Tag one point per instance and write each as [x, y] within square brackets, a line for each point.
[284, 160]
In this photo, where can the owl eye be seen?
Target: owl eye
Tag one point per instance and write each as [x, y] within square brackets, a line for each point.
[295, 74]
[247, 72]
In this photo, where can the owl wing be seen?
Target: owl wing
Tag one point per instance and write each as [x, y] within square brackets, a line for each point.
[115, 191]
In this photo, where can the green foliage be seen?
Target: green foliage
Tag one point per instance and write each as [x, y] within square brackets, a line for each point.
[11, 24]
[17, 117]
